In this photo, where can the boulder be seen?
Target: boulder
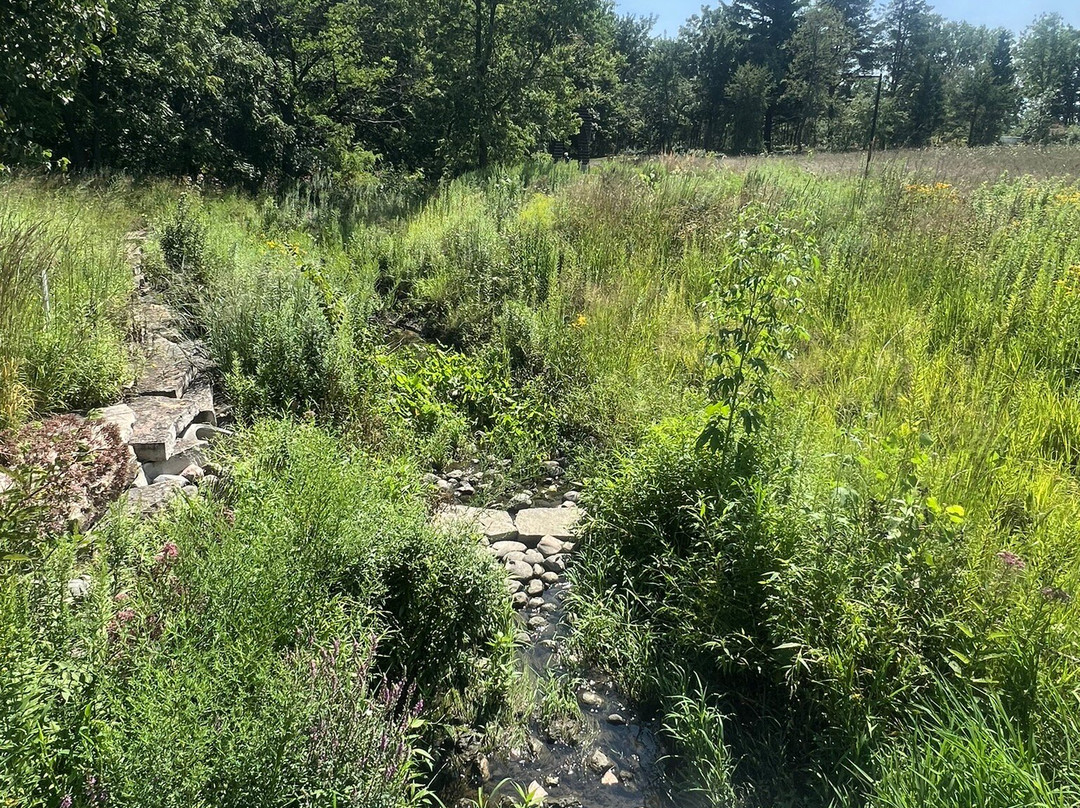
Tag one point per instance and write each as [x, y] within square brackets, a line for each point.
[549, 546]
[519, 571]
[149, 500]
[501, 548]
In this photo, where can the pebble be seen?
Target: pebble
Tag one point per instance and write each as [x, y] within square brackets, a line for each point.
[519, 502]
[616, 719]
[591, 699]
[599, 762]
[551, 781]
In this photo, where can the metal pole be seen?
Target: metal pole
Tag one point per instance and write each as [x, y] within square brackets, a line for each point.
[873, 126]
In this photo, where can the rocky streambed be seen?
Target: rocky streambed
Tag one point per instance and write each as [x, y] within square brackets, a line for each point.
[585, 746]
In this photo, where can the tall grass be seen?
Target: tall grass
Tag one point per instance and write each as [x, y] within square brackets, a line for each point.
[64, 293]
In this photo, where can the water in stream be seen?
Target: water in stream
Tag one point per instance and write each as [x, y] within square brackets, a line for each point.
[563, 770]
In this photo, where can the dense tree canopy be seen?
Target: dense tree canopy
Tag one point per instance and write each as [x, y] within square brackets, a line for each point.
[264, 91]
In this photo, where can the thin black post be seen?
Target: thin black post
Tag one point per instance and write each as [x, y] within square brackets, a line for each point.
[873, 126]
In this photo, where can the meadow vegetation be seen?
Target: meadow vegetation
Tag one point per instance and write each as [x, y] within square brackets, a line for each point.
[829, 430]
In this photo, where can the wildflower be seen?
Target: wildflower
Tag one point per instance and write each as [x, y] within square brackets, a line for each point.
[169, 553]
[65, 802]
[121, 597]
[580, 321]
[125, 616]
[1012, 561]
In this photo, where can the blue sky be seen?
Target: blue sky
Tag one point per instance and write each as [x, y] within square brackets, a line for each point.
[1014, 15]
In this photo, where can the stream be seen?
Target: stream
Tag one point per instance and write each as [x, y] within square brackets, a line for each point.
[614, 757]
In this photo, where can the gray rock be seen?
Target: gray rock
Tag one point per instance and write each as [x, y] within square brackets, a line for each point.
[551, 468]
[519, 571]
[533, 524]
[535, 587]
[572, 496]
[522, 637]
[550, 578]
[547, 608]
[466, 490]
[536, 603]
[174, 479]
[444, 486]
[161, 420]
[538, 570]
[555, 563]
[456, 474]
[537, 621]
[551, 781]
[119, 415]
[151, 499]
[520, 600]
[599, 763]
[549, 545]
[185, 453]
[513, 557]
[501, 548]
[591, 699]
[167, 370]
[609, 778]
[513, 587]
[533, 557]
[518, 502]
[494, 525]
[616, 719]
[569, 505]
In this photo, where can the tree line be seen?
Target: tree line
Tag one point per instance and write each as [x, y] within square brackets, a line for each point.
[264, 91]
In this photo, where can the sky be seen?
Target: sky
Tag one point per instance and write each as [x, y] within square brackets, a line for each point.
[1015, 15]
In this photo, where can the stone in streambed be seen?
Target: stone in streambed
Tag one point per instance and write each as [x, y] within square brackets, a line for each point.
[494, 525]
[591, 699]
[519, 570]
[535, 588]
[598, 762]
[555, 563]
[502, 548]
[609, 778]
[533, 524]
[549, 545]
[520, 600]
[550, 578]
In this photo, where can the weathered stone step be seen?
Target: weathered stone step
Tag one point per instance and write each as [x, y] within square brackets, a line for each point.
[161, 420]
[494, 525]
[167, 371]
[533, 524]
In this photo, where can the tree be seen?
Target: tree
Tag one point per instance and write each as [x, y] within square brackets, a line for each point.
[981, 94]
[821, 51]
[1049, 60]
[913, 57]
[749, 93]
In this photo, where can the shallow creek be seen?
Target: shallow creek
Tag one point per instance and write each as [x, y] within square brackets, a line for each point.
[635, 780]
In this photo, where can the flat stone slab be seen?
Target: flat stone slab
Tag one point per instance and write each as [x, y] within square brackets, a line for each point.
[533, 524]
[119, 415]
[160, 420]
[167, 371]
[494, 525]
